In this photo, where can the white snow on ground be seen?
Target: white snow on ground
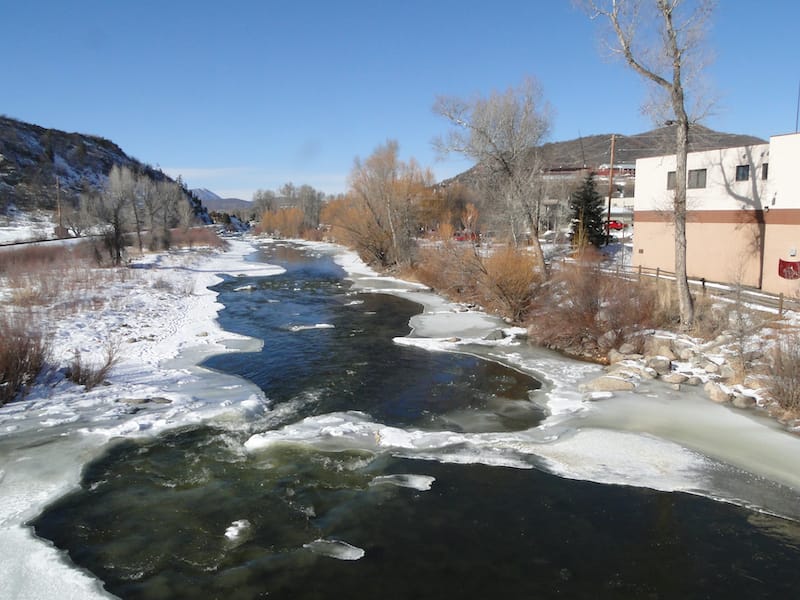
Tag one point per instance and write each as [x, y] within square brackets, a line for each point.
[162, 332]
[164, 322]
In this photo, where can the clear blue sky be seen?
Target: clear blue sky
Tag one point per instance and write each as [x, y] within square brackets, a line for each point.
[241, 95]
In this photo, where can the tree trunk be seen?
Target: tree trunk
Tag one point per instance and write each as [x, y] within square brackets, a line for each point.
[685, 302]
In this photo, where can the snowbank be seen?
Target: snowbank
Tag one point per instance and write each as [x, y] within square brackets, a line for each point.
[163, 330]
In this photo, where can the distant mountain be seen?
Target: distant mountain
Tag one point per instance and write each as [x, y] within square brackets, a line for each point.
[39, 165]
[595, 150]
[224, 205]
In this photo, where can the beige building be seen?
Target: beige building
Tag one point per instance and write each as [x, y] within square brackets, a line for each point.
[743, 214]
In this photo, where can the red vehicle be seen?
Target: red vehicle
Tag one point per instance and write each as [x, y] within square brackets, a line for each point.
[465, 236]
[616, 225]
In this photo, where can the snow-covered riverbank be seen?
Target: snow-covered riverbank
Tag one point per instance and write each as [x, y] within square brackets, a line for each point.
[165, 322]
[163, 319]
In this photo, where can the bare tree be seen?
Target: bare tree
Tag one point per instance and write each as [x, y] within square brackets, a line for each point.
[111, 210]
[502, 133]
[378, 215]
[263, 201]
[661, 41]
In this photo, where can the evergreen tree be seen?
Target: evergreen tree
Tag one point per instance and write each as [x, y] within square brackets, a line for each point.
[588, 215]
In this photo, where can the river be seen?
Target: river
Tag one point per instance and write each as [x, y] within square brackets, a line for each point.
[388, 468]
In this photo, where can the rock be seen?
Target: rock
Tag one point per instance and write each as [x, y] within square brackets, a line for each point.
[742, 401]
[609, 383]
[676, 387]
[649, 373]
[660, 363]
[453, 340]
[684, 349]
[711, 367]
[627, 348]
[615, 356]
[674, 378]
[726, 371]
[607, 340]
[693, 380]
[497, 334]
[716, 393]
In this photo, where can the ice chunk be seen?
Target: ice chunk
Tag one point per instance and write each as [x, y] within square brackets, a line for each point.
[237, 529]
[417, 482]
[335, 549]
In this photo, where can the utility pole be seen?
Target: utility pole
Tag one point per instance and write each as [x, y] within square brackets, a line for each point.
[610, 190]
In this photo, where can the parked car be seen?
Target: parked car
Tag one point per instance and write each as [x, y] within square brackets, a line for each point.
[616, 225]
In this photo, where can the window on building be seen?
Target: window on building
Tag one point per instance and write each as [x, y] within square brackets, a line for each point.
[742, 172]
[671, 180]
[697, 179]
[764, 170]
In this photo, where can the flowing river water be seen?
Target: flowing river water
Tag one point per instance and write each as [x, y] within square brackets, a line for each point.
[383, 470]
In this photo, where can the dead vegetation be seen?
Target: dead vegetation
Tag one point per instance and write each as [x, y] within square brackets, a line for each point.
[23, 354]
[42, 284]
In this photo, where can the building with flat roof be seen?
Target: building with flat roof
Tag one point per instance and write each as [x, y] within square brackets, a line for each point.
[743, 214]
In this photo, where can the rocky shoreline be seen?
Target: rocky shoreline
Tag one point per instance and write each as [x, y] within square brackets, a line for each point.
[681, 361]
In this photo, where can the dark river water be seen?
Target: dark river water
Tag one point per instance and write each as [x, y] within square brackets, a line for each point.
[192, 514]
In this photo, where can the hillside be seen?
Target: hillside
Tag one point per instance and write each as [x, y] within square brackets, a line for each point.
[39, 165]
[595, 150]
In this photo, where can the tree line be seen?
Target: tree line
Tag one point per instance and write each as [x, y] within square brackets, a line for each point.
[130, 203]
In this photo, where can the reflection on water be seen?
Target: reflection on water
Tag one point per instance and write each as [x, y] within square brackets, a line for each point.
[192, 514]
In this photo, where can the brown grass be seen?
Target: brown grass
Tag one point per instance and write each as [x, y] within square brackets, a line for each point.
[784, 369]
[23, 355]
[196, 237]
[587, 311]
[91, 376]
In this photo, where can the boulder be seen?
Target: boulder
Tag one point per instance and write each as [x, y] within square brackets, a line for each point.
[495, 335]
[627, 348]
[609, 383]
[694, 380]
[717, 393]
[742, 401]
[674, 378]
[615, 356]
[660, 363]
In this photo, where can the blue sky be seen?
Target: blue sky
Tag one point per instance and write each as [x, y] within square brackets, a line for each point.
[241, 95]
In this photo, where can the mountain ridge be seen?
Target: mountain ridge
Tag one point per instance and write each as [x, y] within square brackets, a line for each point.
[593, 151]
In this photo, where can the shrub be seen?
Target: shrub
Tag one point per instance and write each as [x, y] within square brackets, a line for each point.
[586, 311]
[784, 367]
[196, 236]
[91, 376]
[23, 354]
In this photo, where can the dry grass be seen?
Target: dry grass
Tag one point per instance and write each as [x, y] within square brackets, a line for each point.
[784, 370]
[23, 354]
[586, 311]
[196, 237]
[91, 376]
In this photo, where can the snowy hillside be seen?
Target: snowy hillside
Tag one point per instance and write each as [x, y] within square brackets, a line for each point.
[39, 166]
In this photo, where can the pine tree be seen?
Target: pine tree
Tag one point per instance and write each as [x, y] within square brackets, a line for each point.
[586, 205]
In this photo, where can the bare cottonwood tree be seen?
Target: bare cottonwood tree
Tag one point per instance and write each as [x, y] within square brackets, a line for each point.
[661, 41]
[383, 197]
[502, 133]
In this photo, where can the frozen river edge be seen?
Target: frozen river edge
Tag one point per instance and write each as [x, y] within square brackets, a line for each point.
[652, 438]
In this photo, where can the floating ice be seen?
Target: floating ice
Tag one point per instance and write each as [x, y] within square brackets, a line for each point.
[417, 482]
[245, 288]
[237, 529]
[296, 328]
[335, 549]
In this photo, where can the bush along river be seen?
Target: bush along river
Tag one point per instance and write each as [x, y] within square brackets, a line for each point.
[386, 471]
